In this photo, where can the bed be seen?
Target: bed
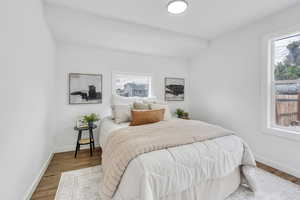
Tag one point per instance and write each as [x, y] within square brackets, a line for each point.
[208, 170]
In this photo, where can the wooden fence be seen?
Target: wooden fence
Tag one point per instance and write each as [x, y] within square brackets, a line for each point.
[287, 109]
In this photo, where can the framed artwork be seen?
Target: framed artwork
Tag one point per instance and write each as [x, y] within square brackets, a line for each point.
[85, 88]
[174, 89]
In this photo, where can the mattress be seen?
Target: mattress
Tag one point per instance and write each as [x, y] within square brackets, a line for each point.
[203, 170]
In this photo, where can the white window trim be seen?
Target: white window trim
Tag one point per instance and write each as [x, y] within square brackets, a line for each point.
[267, 89]
[113, 80]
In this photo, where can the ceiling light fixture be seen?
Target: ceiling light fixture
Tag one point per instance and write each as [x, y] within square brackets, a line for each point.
[177, 6]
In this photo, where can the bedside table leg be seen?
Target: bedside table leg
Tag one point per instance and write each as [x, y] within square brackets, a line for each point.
[77, 144]
[91, 147]
[92, 134]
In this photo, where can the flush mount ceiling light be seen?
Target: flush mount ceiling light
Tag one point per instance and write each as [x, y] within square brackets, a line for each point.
[177, 6]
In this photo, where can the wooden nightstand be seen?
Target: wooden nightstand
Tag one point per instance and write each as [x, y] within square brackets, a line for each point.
[86, 141]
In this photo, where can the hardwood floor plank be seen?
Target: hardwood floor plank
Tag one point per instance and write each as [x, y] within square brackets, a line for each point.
[60, 163]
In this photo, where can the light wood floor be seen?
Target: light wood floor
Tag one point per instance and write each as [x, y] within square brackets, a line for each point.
[62, 162]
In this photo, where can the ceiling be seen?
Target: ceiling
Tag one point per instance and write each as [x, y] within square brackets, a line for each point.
[76, 27]
[204, 18]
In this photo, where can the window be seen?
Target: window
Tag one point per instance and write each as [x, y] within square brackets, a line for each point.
[130, 85]
[285, 82]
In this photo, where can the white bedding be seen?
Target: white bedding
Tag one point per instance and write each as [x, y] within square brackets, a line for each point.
[107, 126]
[206, 170]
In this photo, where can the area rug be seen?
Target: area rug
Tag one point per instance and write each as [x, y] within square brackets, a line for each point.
[84, 184]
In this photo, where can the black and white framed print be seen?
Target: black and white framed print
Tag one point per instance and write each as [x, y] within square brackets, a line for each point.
[85, 88]
[174, 89]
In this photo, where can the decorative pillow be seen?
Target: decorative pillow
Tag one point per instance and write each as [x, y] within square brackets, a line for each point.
[140, 117]
[141, 106]
[121, 113]
[167, 115]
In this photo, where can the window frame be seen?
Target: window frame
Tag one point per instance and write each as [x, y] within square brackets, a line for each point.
[113, 81]
[268, 89]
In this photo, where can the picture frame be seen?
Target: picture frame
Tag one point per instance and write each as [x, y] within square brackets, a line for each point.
[174, 89]
[85, 88]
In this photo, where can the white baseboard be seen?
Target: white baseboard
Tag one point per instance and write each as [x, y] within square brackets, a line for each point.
[279, 166]
[67, 148]
[38, 178]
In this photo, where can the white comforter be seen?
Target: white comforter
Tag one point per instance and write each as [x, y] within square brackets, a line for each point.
[169, 173]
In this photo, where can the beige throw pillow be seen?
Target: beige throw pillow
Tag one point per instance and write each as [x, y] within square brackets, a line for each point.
[141, 106]
[167, 115]
[121, 113]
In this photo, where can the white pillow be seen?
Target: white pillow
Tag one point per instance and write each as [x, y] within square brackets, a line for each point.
[121, 113]
[167, 115]
[119, 100]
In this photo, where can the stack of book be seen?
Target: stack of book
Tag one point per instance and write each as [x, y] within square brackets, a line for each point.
[81, 124]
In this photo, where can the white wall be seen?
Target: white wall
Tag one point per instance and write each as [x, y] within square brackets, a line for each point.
[226, 78]
[87, 59]
[26, 105]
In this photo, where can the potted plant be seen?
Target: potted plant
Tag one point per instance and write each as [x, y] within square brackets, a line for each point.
[185, 115]
[182, 114]
[90, 119]
[179, 112]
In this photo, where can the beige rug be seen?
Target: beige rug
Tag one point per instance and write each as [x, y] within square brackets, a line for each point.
[84, 184]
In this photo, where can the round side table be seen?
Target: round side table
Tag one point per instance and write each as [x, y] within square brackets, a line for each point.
[87, 141]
